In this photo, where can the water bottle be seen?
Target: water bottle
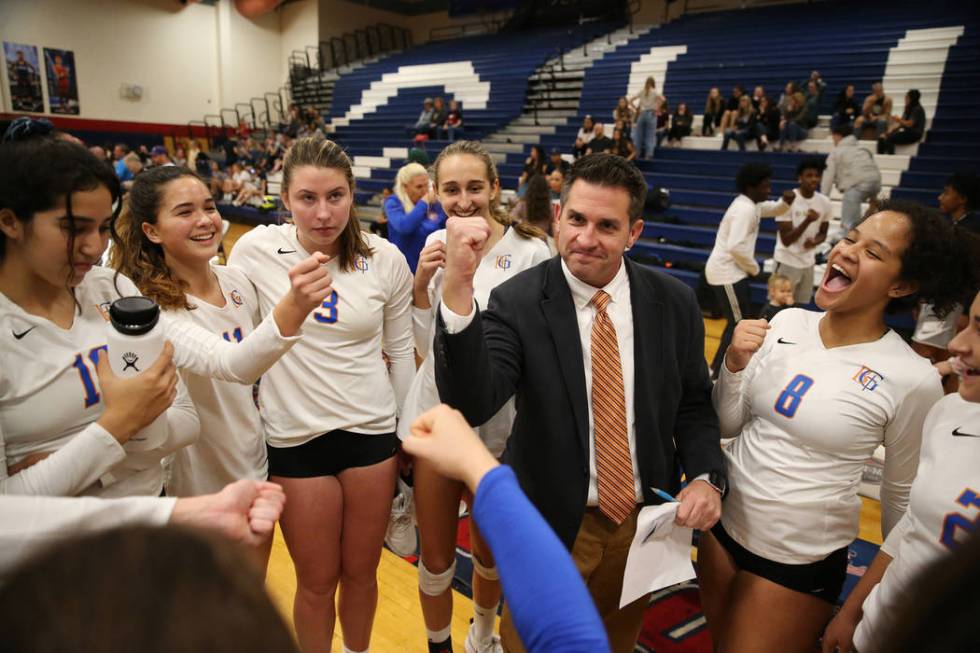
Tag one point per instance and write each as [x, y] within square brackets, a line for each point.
[135, 342]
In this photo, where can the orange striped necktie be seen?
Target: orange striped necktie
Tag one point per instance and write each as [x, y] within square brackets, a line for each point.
[614, 468]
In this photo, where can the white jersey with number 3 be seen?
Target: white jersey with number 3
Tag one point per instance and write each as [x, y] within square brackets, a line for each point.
[944, 510]
[808, 418]
[335, 376]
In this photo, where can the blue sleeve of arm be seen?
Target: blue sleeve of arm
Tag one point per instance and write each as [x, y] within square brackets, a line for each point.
[551, 607]
[402, 222]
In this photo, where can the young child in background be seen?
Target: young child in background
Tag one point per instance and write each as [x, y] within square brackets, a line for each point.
[780, 296]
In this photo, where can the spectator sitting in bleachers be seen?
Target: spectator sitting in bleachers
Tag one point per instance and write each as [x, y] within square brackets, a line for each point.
[134, 166]
[767, 123]
[731, 107]
[811, 106]
[646, 104]
[421, 125]
[906, 129]
[680, 124]
[119, 152]
[875, 112]
[453, 121]
[556, 162]
[534, 164]
[439, 115]
[791, 129]
[818, 80]
[238, 177]
[792, 91]
[180, 156]
[846, 108]
[585, 135]
[413, 212]
[294, 122]
[713, 110]
[160, 157]
[853, 170]
[600, 142]
[743, 126]
[757, 94]
[556, 179]
[623, 113]
[622, 145]
[663, 122]
[217, 178]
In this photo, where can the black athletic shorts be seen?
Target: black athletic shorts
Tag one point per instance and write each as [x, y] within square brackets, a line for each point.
[823, 579]
[331, 453]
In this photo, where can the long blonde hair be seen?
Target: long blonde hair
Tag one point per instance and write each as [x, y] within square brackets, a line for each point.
[319, 152]
[475, 148]
[407, 173]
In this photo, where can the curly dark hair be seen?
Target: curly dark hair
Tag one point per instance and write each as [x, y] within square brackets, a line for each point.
[940, 260]
[752, 174]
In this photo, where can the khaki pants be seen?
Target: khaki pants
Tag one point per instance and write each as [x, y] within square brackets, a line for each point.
[599, 553]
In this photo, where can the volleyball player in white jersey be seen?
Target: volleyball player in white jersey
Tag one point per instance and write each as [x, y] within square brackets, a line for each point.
[468, 187]
[328, 407]
[61, 429]
[64, 417]
[810, 396]
[168, 233]
[943, 508]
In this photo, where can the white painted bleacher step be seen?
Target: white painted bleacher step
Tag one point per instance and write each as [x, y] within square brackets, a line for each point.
[525, 129]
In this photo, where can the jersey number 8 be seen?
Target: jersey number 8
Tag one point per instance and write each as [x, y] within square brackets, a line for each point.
[789, 399]
[330, 315]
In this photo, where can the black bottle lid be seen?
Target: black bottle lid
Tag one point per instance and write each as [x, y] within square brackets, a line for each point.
[134, 316]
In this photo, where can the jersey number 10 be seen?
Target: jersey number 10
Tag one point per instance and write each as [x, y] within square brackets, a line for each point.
[92, 396]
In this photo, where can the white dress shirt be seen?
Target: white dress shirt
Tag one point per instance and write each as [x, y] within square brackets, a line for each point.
[620, 311]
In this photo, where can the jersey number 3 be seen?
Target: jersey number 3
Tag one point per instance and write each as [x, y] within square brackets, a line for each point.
[329, 316]
[790, 398]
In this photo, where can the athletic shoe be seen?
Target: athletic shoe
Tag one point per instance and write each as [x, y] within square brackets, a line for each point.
[400, 535]
[489, 645]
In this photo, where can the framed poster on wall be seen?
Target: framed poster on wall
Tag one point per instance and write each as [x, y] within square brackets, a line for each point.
[24, 77]
[62, 81]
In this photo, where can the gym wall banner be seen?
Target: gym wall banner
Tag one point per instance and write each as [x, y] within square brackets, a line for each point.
[24, 77]
[62, 81]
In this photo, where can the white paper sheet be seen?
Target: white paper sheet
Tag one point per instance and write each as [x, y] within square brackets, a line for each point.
[660, 555]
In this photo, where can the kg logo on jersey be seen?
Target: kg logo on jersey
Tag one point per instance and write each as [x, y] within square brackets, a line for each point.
[361, 264]
[868, 378]
[503, 262]
[236, 298]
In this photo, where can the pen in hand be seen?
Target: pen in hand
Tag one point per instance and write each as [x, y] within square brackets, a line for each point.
[663, 495]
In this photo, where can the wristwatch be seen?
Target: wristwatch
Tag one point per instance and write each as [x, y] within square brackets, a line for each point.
[718, 481]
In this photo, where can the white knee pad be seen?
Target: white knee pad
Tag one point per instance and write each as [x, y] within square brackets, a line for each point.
[435, 584]
[487, 573]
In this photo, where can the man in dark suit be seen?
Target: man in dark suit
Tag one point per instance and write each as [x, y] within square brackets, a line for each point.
[606, 359]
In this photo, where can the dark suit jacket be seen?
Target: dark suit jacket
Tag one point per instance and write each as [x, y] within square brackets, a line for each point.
[527, 343]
